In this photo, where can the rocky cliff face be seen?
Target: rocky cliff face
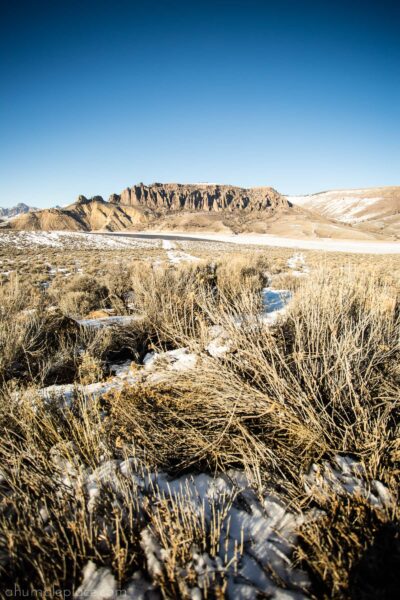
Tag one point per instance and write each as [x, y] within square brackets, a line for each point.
[167, 197]
[223, 207]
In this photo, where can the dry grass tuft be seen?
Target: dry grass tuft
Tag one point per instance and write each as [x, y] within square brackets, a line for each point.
[352, 551]
[323, 381]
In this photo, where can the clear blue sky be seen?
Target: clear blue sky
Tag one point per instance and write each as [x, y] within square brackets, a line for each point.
[96, 96]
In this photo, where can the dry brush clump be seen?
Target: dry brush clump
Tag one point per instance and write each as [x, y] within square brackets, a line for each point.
[47, 532]
[324, 381]
[40, 338]
[30, 335]
[65, 505]
[352, 550]
[175, 301]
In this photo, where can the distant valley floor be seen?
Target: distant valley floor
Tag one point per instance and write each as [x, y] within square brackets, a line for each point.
[324, 244]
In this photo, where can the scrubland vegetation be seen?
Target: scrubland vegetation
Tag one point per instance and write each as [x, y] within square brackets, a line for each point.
[298, 417]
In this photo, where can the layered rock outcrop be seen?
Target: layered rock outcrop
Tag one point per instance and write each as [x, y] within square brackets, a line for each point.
[163, 197]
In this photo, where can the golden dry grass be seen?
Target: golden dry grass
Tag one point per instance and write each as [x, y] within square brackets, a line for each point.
[324, 381]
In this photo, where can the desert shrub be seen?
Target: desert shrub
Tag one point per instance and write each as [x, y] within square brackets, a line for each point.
[50, 527]
[287, 281]
[47, 533]
[29, 337]
[41, 344]
[90, 368]
[322, 381]
[352, 550]
[170, 300]
[242, 274]
[79, 295]
[326, 378]
[118, 282]
[331, 366]
[76, 304]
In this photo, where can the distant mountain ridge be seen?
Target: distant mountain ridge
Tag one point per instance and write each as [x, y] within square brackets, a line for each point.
[143, 205]
[18, 209]
[224, 209]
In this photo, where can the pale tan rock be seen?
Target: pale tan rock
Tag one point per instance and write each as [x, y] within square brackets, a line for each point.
[87, 214]
[166, 197]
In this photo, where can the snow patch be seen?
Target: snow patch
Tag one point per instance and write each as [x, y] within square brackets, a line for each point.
[297, 263]
[220, 342]
[274, 304]
[159, 365]
[65, 394]
[121, 320]
[256, 535]
[324, 244]
[249, 536]
[72, 240]
[97, 583]
[346, 477]
[177, 256]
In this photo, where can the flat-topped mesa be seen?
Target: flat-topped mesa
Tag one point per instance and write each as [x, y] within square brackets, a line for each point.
[199, 197]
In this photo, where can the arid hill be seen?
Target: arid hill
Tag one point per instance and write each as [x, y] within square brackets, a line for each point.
[148, 205]
[51, 219]
[371, 209]
[226, 209]
[217, 208]
[87, 214]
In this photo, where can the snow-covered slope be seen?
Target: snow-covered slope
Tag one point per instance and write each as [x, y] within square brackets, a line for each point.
[347, 206]
[373, 208]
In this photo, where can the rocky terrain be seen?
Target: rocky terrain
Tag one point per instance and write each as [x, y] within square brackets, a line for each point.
[144, 205]
[205, 197]
[83, 215]
[224, 209]
[168, 206]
